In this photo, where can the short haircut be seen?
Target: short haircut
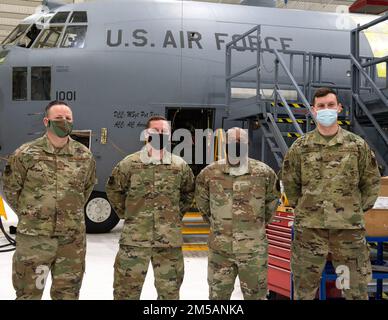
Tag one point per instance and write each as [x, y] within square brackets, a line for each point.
[323, 92]
[54, 103]
[154, 118]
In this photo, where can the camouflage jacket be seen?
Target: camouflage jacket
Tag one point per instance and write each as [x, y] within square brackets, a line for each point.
[48, 189]
[330, 183]
[152, 199]
[238, 207]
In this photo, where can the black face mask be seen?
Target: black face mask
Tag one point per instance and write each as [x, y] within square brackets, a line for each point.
[158, 141]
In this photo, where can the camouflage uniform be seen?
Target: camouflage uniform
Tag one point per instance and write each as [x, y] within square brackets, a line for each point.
[48, 188]
[152, 198]
[238, 207]
[331, 183]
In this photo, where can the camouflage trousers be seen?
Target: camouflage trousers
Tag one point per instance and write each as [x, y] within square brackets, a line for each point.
[251, 268]
[348, 248]
[35, 256]
[130, 270]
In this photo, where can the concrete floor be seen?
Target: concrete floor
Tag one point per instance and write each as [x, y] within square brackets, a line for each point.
[98, 280]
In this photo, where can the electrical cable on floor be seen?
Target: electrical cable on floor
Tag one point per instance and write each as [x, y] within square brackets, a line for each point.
[11, 241]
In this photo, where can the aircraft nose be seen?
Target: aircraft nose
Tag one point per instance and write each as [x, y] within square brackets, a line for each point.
[3, 55]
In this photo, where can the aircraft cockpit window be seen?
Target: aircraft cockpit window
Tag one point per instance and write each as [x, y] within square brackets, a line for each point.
[41, 83]
[74, 37]
[16, 37]
[79, 17]
[49, 38]
[30, 37]
[60, 17]
[19, 83]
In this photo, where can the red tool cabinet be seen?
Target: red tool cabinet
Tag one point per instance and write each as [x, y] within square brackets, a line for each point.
[279, 234]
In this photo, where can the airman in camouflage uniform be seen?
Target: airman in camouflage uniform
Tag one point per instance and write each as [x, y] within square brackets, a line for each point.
[239, 199]
[151, 189]
[331, 177]
[47, 182]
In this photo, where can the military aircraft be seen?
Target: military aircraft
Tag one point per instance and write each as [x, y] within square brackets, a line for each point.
[119, 62]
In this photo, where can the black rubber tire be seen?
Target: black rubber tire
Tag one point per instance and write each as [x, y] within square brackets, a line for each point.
[105, 226]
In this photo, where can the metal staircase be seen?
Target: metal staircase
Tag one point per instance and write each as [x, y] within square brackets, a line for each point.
[284, 113]
[370, 109]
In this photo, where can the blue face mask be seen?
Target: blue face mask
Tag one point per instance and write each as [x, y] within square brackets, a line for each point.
[327, 117]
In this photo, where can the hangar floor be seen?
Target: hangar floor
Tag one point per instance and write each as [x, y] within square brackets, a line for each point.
[98, 280]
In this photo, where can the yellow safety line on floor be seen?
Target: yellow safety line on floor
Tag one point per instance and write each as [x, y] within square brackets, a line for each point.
[195, 247]
[195, 230]
[192, 215]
